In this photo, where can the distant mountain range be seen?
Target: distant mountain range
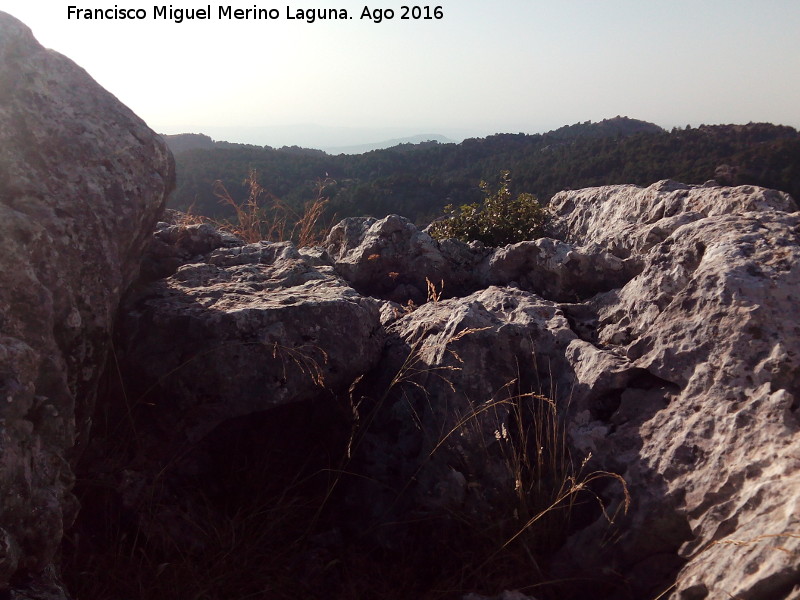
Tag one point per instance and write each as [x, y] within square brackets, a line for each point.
[415, 140]
[184, 142]
[418, 178]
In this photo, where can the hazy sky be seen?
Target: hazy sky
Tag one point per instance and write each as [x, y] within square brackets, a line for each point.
[485, 67]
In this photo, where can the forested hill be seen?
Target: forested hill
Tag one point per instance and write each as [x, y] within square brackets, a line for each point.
[418, 180]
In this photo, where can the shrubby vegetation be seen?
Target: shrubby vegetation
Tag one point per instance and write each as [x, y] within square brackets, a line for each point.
[419, 183]
[500, 219]
[263, 216]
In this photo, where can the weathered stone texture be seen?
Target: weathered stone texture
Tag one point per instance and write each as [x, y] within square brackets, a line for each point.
[82, 181]
[712, 314]
[393, 259]
[627, 218]
[660, 323]
[252, 328]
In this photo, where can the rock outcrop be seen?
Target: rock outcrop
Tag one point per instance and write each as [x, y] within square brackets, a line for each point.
[252, 328]
[398, 397]
[651, 340]
[391, 258]
[711, 313]
[82, 181]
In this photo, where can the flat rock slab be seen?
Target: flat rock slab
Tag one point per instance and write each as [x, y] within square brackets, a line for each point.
[253, 328]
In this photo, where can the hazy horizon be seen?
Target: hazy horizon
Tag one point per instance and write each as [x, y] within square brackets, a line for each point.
[328, 138]
[320, 137]
[315, 136]
[506, 67]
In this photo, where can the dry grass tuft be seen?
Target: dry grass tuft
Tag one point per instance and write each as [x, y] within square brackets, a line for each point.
[257, 536]
[264, 216]
[509, 548]
[434, 295]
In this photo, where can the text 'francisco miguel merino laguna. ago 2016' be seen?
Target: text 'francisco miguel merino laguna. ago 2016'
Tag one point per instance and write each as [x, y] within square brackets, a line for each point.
[309, 15]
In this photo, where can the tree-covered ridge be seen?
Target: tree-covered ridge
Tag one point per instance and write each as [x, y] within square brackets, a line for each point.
[419, 181]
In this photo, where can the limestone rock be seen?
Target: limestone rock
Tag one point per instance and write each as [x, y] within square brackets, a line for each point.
[224, 349]
[557, 270]
[651, 339]
[82, 181]
[657, 326]
[390, 258]
[175, 245]
[463, 383]
[627, 218]
[252, 328]
[672, 357]
[709, 315]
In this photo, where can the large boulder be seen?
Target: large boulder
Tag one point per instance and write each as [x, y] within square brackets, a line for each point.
[712, 314]
[467, 387]
[391, 258]
[627, 218]
[82, 181]
[234, 345]
[662, 325]
[557, 270]
[246, 329]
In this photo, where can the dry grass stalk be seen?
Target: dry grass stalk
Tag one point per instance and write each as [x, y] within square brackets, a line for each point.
[254, 551]
[434, 295]
[305, 359]
[307, 226]
[738, 543]
[264, 216]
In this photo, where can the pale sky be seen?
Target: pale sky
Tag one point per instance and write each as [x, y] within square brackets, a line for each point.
[485, 67]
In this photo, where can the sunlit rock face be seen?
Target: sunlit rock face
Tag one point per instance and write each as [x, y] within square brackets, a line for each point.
[82, 181]
[712, 315]
[663, 322]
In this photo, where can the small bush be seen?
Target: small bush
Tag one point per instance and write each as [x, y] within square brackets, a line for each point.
[497, 221]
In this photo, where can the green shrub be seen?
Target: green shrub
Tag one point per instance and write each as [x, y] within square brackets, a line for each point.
[497, 221]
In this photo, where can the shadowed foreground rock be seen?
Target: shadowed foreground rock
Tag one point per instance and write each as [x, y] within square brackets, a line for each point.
[661, 324]
[82, 181]
[253, 328]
